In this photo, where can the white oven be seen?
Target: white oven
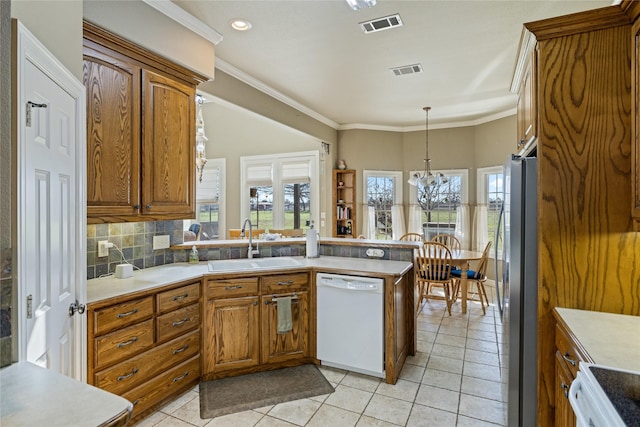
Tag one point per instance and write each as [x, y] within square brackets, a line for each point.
[605, 397]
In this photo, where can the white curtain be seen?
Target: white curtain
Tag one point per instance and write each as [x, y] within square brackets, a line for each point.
[397, 222]
[462, 231]
[482, 227]
[415, 219]
[369, 224]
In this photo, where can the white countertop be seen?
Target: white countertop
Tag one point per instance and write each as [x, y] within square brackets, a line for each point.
[108, 287]
[610, 339]
[34, 396]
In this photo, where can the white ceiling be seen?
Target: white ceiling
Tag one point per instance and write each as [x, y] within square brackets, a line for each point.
[314, 53]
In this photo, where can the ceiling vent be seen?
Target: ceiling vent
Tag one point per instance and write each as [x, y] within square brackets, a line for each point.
[380, 24]
[407, 69]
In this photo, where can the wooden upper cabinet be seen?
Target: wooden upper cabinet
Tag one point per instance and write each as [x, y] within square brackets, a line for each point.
[113, 134]
[524, 84]
[635, 124]
[168, 159]
[140, 132]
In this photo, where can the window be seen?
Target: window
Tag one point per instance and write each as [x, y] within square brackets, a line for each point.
[383, 191]
[490, 194]
[280, 191]
[210, 200]
[439, 202]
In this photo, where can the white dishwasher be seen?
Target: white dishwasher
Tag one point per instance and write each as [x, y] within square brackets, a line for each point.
[350, 323]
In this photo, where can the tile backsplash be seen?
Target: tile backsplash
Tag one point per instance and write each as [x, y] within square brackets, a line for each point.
[135, 240]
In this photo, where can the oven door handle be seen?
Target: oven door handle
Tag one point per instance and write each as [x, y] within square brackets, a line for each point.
[578, 397]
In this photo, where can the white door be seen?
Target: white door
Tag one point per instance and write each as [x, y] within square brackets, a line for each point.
[50, 210]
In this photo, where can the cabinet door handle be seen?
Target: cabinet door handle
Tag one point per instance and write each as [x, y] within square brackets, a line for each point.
[126, 343]
[568, 359]
[181, 322]
[135, 402]
[565, 389]
[129, 313]
[255, 303]
[179, 297]
[136, 207]
[181, 377]
[129, 375]
[230, 288]
[181, 349]
[148, 207]
[287, 283]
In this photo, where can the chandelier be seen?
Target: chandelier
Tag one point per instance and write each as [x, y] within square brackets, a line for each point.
[201, 139]
[427, 178]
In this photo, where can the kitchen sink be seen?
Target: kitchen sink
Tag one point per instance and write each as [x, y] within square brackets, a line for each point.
[252, 264]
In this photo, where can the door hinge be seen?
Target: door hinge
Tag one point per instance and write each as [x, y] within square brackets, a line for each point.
[29, 106]
[29, 306]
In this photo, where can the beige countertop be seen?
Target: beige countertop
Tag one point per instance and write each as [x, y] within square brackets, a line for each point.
[34, 396]
[609, 339]
[298, 241]
[108, 287]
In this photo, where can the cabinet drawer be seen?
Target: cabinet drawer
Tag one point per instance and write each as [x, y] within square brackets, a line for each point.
[285, 283]
[127, 342]
[164, 385]
[176, 298]
[122, 315]
[568, 350]
[133, 372]
[232, 287]
[176, 322]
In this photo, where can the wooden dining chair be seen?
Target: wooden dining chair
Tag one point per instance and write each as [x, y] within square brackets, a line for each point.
[288, 232]
[235, 233]
[449, 240]
[412, 237]
[478, 277]
[433, 263]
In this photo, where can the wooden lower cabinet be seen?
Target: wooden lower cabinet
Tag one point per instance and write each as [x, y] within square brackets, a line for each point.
[281, 347]
[146, 346]
[232, 334]
[569, 354]
[241, 318]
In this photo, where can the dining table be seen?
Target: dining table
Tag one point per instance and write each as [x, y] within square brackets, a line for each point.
[462, 258]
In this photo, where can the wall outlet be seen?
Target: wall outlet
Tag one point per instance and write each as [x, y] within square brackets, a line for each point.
[375, 253]
[161, 242]
[103, 248]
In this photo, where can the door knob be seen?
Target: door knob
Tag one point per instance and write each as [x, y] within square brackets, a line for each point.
[76, 307]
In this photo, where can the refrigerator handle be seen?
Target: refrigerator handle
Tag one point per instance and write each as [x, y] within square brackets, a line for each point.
[497, 281]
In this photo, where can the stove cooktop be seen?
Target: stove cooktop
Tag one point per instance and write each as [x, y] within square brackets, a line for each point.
[623, 390]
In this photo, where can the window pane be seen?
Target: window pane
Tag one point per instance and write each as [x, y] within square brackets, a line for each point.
[261, 207]
[494, 204]
[380, 195]
[439, 201]
[297, 205]
[209, 218]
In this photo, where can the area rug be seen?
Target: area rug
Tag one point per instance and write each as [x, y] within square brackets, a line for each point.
[251, 391]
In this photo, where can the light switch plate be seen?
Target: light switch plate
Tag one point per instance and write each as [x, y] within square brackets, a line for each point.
[161, 242]
[375, 253]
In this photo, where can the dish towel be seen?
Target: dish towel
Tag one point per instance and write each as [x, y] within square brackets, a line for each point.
[285, 324]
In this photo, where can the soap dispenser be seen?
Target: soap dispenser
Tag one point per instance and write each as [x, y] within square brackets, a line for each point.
[313, 243]
[193, 255]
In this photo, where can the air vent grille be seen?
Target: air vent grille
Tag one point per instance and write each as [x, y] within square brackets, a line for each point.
[407, 69]
[380, 24]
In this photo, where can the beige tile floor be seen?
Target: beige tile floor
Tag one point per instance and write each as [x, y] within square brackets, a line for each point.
[455, 379]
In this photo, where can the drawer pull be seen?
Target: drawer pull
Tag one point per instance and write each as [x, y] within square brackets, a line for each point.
[287, 283]
[565, 389]
[181, 322]
[179, 297]
[568, 359]
[135, 402]
[181, 377]
[126, 343]
[121, 315]
[129, 375]
[181, 349]
[230, 288]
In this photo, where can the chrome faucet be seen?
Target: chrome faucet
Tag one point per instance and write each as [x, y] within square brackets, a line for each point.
[251, 252]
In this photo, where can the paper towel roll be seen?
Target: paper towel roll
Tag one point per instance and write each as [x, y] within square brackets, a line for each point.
[312, 243]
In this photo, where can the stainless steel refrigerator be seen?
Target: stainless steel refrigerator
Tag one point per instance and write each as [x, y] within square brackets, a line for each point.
[517, 287]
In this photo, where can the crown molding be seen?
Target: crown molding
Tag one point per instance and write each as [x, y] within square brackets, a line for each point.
[185, 19]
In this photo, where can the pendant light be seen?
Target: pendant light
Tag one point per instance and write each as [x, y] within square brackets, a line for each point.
[427, 178]
[201, 139]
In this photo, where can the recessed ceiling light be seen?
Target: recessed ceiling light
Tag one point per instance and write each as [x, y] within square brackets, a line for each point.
[240, 24]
